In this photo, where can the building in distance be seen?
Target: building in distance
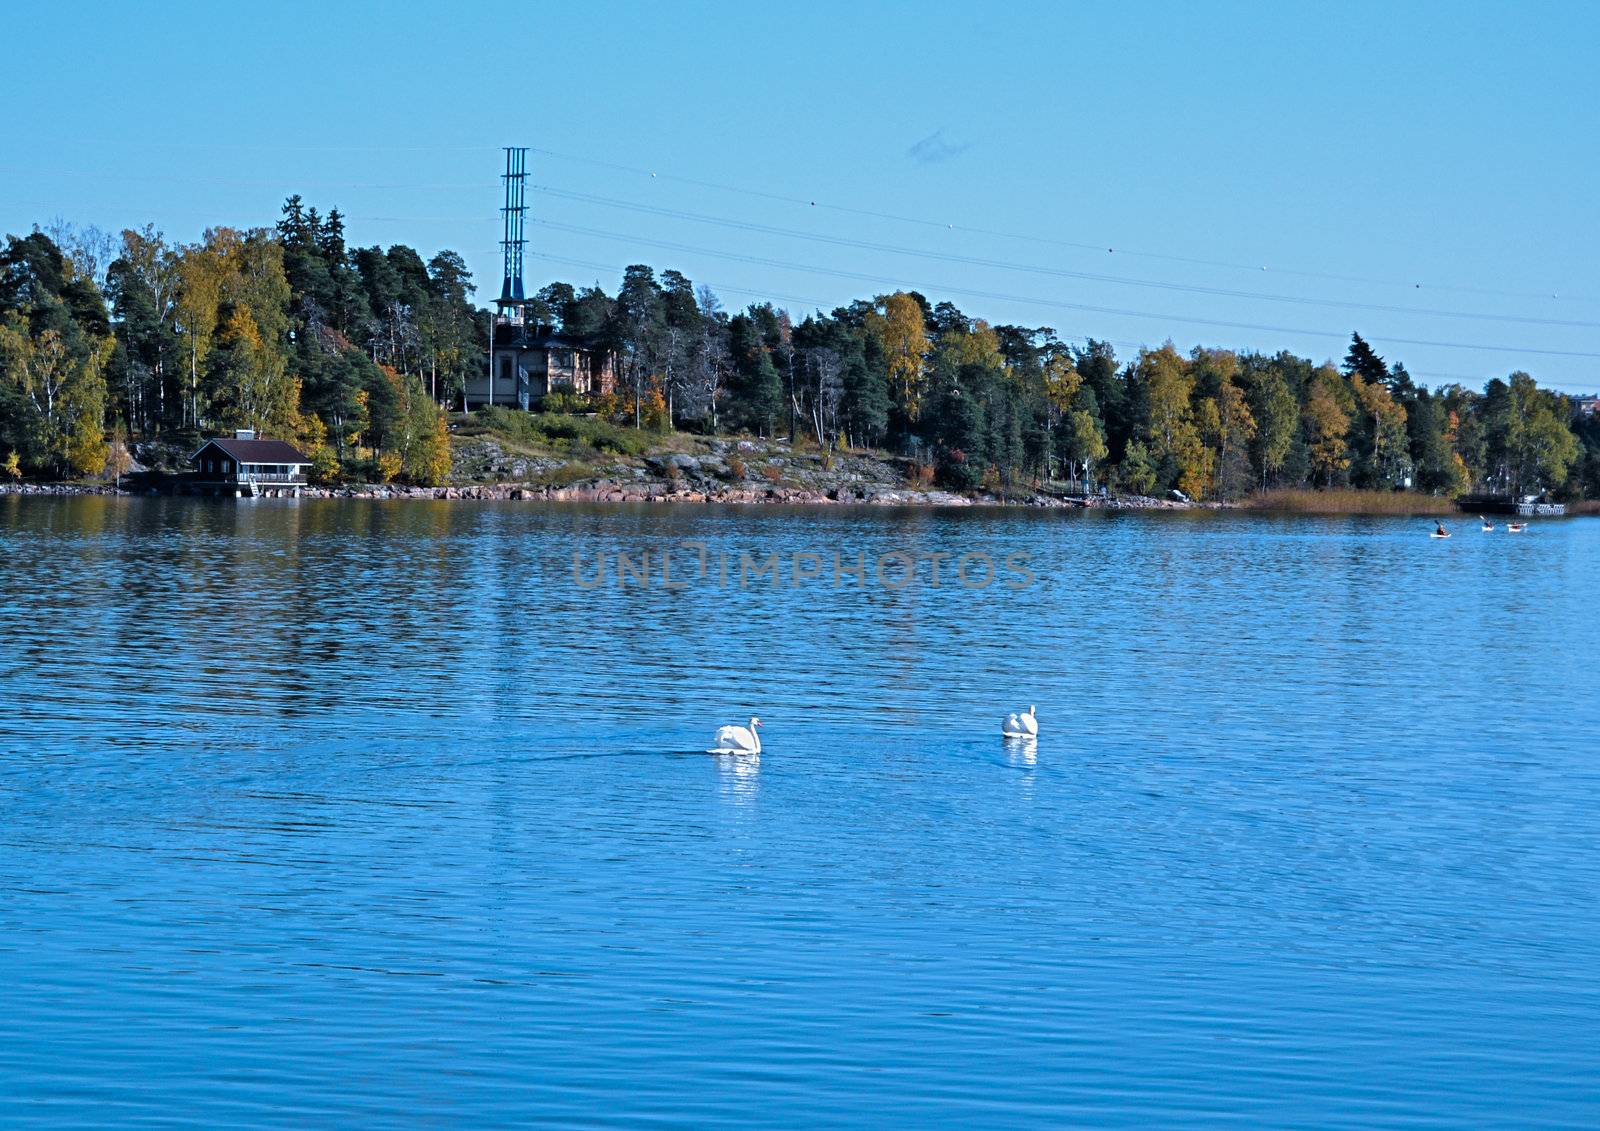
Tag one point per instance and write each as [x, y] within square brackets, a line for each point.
[531, 361]
[244, 465]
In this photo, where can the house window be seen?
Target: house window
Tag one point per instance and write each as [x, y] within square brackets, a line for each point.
[505, 368]
[227, 465]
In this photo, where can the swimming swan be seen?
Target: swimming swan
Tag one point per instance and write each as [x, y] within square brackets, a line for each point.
[1020, 726]
[738, 740]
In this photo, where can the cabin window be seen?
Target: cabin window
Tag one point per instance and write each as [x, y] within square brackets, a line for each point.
[227, 465]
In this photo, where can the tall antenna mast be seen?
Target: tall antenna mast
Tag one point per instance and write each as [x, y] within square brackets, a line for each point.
[515, 212]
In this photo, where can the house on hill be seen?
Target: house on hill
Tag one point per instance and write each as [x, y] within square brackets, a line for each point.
[531, 361]
[244, 465]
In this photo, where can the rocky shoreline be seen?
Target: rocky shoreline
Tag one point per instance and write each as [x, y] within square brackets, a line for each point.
[716, 470]
[62, 489]
[660, 491]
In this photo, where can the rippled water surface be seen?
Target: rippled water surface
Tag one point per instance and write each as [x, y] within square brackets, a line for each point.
[366, 813]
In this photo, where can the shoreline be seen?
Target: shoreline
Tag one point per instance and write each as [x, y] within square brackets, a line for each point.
[660, 491]
[669, 492]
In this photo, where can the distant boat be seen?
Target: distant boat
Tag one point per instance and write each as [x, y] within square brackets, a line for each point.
[1516, 527]
[1487, 525]
[1525, 506]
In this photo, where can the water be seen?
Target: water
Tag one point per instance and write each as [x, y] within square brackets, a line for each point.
[360, 813]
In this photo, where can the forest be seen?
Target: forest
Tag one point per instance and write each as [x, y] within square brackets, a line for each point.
[360, 355]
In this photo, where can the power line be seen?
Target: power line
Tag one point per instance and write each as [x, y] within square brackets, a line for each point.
[1036, 238]
[935, 288]
[1054, 272]
[276, 183]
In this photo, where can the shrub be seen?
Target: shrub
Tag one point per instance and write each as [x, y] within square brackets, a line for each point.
[653, 411]
[564, 401]
[324, 465]
[773, 474]
[736, 468]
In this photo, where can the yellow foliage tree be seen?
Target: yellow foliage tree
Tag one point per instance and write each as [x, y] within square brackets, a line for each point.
[899, 325]
[1327, 425]
[1388, 421]
[978, 346]
[200, 271]
[419, 443]
[653, 411]
[1061, 381]
[1168, 385]
[1230, 426]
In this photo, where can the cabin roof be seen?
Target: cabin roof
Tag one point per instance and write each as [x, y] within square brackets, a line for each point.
[254, 451]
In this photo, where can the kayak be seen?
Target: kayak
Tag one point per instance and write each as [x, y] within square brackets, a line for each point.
[1436, 534]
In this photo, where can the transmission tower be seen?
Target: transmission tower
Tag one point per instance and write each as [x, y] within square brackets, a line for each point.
[511, 244]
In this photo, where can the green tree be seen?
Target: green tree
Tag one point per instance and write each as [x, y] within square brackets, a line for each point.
[1276, 414]
[1085, 443]
[1137, 471]
[755, 391]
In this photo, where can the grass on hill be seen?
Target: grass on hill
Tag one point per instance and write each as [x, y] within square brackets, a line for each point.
[1348, 501]
[576, 436]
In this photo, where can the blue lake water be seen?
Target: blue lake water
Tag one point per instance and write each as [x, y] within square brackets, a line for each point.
[367, 813]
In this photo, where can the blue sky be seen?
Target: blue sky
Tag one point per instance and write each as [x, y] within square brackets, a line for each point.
[1425, 173]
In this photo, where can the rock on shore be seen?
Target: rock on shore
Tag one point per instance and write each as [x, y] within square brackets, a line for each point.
[716, 470]
[60, 489]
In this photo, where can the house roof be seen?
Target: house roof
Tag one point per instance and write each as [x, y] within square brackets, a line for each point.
[255, 451]
[541, 337]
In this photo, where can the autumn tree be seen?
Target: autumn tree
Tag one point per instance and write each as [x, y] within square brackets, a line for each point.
[1384, 445]
[1327, 425]
[1230, 428]
[54, 347]
[899, 325]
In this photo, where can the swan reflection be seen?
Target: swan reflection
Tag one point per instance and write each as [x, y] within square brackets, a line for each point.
[740, 775]
[1022, 751]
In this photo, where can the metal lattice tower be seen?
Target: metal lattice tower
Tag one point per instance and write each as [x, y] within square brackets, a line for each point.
[515, 213]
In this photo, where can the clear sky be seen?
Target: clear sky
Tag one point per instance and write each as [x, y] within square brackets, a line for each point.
[1271, 176]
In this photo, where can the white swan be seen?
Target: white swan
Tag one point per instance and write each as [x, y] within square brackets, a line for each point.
[1020, 725]
[738, 740]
